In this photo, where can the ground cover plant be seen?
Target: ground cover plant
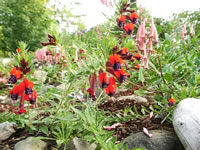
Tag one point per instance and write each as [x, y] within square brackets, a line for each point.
[87, 74]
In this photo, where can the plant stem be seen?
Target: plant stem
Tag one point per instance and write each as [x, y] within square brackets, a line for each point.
[161, 74]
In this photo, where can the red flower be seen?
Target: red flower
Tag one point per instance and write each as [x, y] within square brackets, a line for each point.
[124, 50]
[121, 21]
[91, 90]
[171, 102]
[138, 66]
[21, 111]
[121, 75]
[133, 17]
[17, 91]
[52, 41]
[112, 87]
[122, 18]
[92, 93]
[14, 93]
[138, 56]
[116, 61]
[28, 86]
[103, 80]
[129, 28]
[18, 50]
[81, 51]
[31, 98]
[21, 88]
[14, 75]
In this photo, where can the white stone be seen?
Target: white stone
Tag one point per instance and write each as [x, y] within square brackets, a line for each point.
[40, 75]
[6, 130]
[186, 122]
[78, 144]
[30, 144]
[62, 86]
[7, 61]
[3, 98]
[137, 99]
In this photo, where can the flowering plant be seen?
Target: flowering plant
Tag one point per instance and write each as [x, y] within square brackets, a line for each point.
[20, 72]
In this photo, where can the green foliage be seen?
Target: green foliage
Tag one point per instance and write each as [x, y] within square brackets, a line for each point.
[62, 114]
[24, 20]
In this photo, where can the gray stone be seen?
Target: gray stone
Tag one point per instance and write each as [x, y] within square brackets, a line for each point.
[186, 122]
[6, 61]
[137, 99]
[62, 86]
[78, 144]
[5, 99]
[30, 144]
[6, 130]
[161, 140]
[40, 75]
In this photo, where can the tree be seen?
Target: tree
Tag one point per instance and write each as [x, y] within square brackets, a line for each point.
[23, 20]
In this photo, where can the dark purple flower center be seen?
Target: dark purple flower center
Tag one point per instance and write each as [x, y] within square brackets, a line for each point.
[111, 94]
[170, 103]
[129, 32]
[104, 85]
[134, 21]
[14, 97]
[122, 78]
[121, 24]
[28, 91]
[12, 79]
[117, 66]
[32, 101]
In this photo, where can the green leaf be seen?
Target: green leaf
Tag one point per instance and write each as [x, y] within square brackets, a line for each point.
[168, 37]
[168, 77]
[197, 78]
[141, 75]
[45, 130]
[140, 92]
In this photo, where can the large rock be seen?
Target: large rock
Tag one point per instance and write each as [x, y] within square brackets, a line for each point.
[6, 130]
[186, 122]
[161, 140]
[30, 144]
[40, 75]
[78, 144]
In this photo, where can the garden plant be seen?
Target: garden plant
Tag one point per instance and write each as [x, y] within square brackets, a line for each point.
[91, 77]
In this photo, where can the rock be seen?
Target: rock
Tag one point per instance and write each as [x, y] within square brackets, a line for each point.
[6, 61]
[40, 75]
[6, 130]
[30, 144]
[62, 86]
[137, 99]
[78, 96]
[6, 148]
[161, 140]
[186, 122]
[78, 144]
[5, 100]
